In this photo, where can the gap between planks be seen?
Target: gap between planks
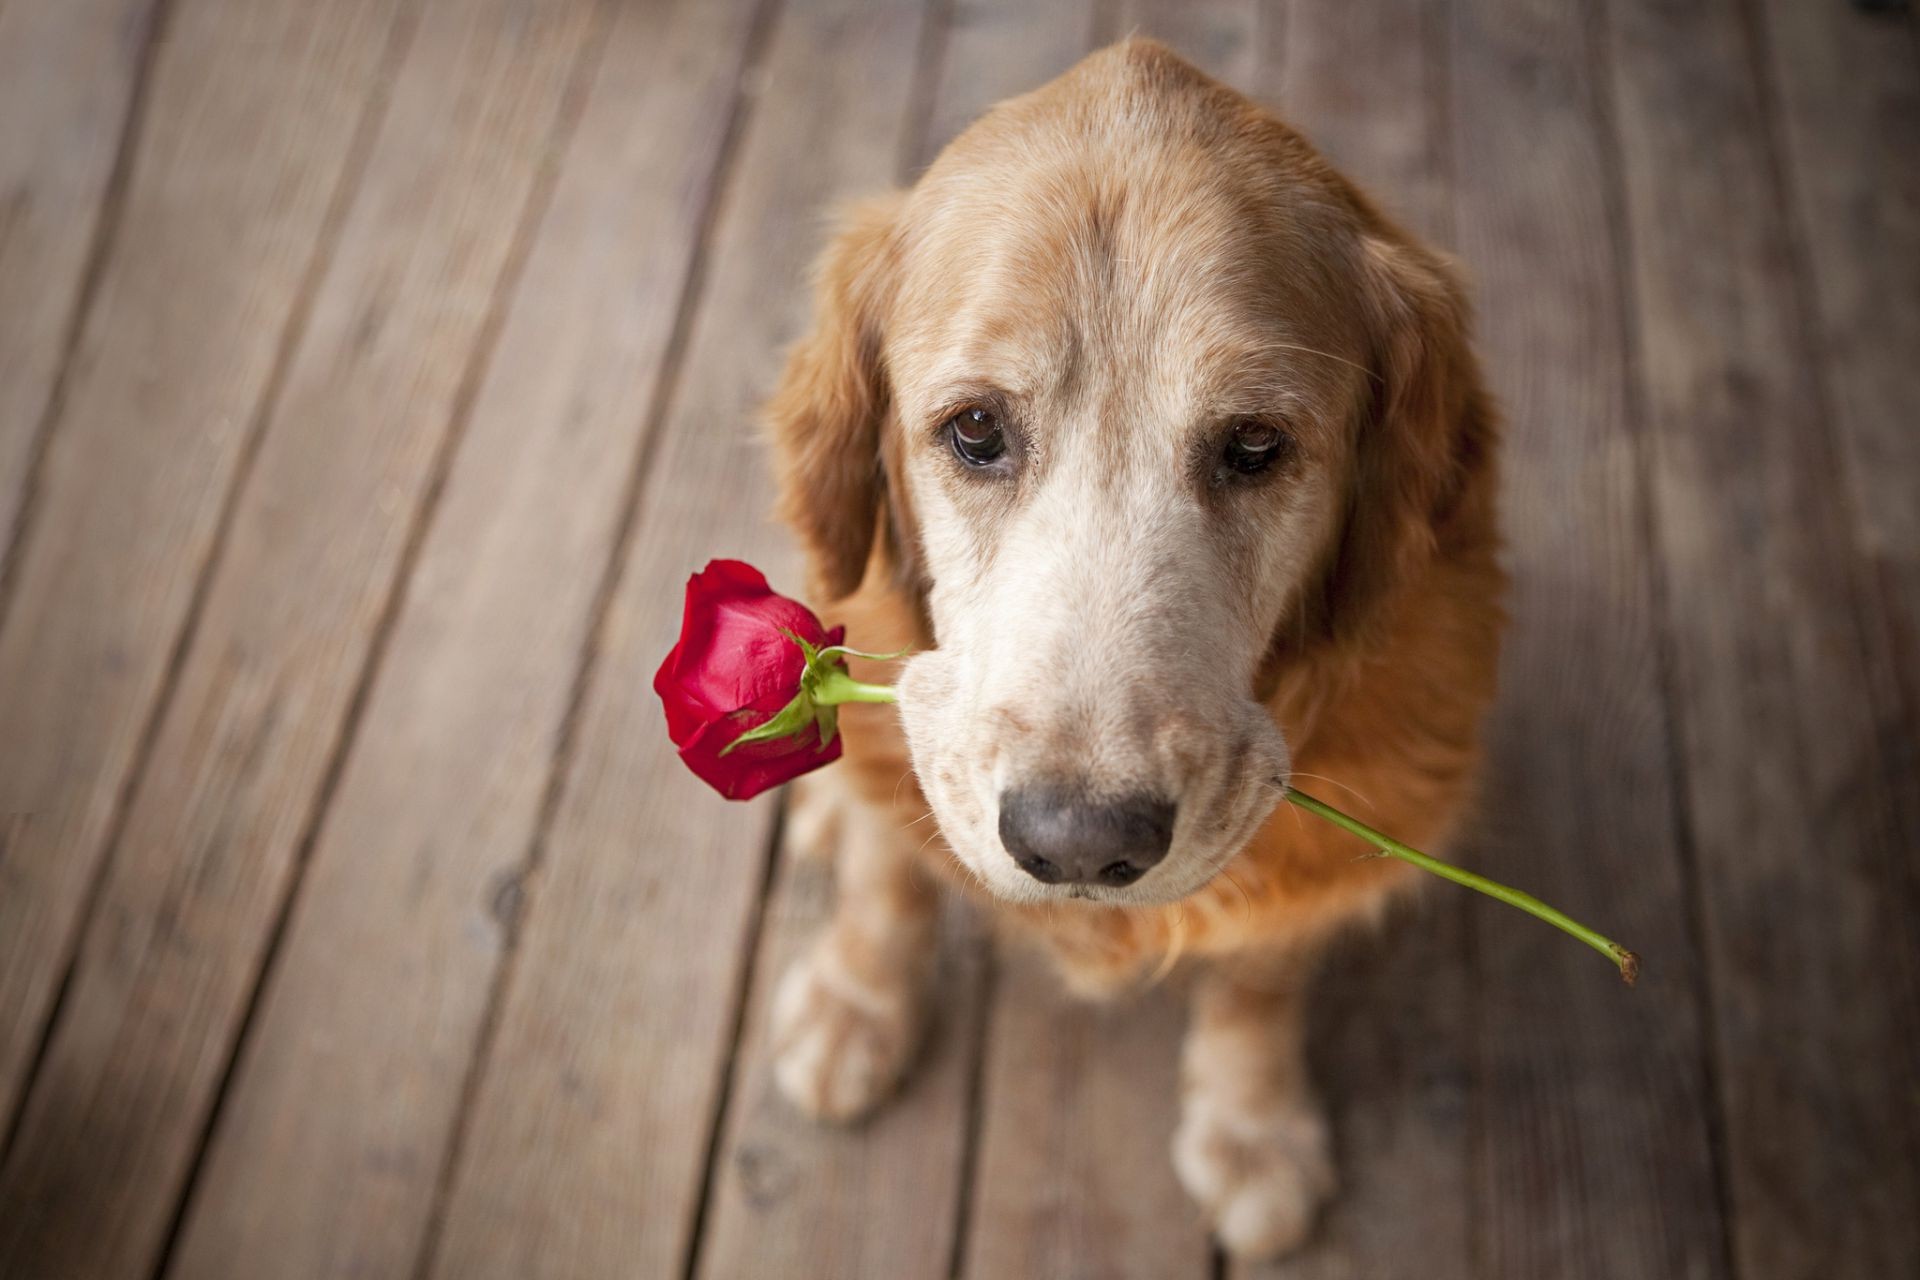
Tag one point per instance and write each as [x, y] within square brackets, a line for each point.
[366, 131]
[620, 552]
[472, 378]
[106, 231]
[1637, 416]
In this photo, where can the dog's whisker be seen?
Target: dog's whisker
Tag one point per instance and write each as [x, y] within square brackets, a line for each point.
[1176, 945]
[1246, 899]
[1335, 782]
[1351, 364]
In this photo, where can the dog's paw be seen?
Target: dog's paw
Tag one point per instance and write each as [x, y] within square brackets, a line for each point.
[1261, 1178]
[840, 1046]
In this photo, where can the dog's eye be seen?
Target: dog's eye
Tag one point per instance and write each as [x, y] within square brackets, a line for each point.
[977, 437]
[1253, 446]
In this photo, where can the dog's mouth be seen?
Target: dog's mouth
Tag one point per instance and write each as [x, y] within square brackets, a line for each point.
[1145, 810]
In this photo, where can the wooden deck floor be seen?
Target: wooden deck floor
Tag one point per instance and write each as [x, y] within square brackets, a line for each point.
[372, 373]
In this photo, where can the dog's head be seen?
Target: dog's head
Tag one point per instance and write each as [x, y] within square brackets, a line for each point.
[1137, 398]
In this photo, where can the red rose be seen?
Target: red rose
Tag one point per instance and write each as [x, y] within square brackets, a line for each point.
[735, 668]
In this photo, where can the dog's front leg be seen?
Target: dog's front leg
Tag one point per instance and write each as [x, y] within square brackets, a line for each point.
[848, 1014]
[1252, 1146]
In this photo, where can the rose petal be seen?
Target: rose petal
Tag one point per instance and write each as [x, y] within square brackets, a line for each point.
[753, 767]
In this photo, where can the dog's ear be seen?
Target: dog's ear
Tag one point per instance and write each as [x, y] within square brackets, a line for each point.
[826, 415]
[1427, 430]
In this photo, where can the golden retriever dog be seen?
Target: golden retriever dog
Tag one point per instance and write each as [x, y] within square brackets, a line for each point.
[1166, 454]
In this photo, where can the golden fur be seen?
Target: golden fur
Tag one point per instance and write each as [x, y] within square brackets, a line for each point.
[1377, 645]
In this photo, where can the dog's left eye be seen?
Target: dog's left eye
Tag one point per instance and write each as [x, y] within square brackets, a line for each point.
[1253, 446]
[978, 439]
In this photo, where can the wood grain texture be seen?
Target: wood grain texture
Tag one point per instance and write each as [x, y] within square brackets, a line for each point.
[790, 1196]
[248, 137]
[1228, 39]
[585, 1150]
[1390, 1048]
[1847, 96]
[1772, 653]
[243, 750]
[357, 1081]
[1079, 1101]
[1390, 1039]
[1845, 110]
[796, 1197]
[1368, 85]
[1592, 1146]
[996, 49]
[67, 80]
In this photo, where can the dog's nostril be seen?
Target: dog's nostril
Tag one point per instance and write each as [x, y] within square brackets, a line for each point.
[1058, 836]
[1039, 868]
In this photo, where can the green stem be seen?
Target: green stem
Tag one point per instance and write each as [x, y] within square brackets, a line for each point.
[837, 687]
[1629, 962]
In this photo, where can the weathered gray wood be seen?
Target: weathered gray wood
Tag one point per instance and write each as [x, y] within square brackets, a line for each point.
[1390, 1047]
[1230, 40]
[585, 1149]
[1846, 99]
[248, 137]
[1786, 782]
[1591, 1151]
[67, 74]
[998, 48]
[789, 1196]
[355, 1078]
[243, 749]
[1390, 1040]
[1367, 84]
[1079, 1101]
[794, 1197]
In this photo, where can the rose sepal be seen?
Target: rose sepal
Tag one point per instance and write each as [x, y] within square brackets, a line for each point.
[825, 685]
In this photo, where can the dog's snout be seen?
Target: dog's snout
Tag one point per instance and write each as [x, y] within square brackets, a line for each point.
[1063, 838]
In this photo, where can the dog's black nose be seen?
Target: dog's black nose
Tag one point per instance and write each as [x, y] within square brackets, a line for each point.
[1060, 837]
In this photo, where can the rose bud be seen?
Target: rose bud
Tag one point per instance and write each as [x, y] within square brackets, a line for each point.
[751, 688]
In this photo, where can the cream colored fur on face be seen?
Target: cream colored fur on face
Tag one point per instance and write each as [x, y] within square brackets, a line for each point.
[1122, 265]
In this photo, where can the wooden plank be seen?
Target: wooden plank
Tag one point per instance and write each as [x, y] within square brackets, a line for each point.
[790, 1196]
[1846, 109]
[67, 80]
[1389, 1044]
[796, 1197]
[585, 1150]
[1079, 1103]
[353, 1078]
[1392, 1016]
[245, 745]
[1592, 1152]
[999, 48]
[1367, 84]
[440, 797]
[1230, 40]
[1809, 938]
[249, 136]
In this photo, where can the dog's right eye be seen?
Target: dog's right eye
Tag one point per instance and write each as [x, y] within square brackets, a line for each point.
[977, 437]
